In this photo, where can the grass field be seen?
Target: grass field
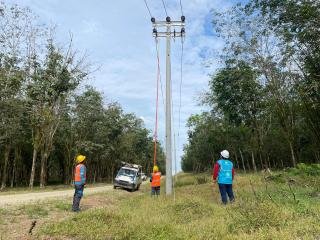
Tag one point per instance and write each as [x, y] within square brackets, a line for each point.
[280, 207]
[18, 190]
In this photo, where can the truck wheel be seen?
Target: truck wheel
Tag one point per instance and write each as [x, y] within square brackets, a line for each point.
[138, 187]
[114, 187]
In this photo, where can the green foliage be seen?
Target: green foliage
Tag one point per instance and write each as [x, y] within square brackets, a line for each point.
[306, 169]
[236, 92]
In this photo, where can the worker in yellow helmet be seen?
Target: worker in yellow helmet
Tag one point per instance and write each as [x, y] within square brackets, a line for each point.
[79, 181]
[155, 181]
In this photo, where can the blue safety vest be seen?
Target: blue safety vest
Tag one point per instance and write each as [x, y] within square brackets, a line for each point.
[225, 171]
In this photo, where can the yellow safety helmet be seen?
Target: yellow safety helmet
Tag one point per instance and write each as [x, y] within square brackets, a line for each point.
[155, 168]
[80, 158]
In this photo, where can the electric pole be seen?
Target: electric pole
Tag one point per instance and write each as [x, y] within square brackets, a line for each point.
[168, 34]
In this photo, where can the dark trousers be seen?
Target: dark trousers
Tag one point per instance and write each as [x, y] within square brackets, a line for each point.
[78, 193]
[226, 189]
[155, 191]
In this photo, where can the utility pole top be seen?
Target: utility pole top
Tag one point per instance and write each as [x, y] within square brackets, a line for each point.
[168, 23]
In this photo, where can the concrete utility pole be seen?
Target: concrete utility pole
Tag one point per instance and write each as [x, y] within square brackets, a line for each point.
[168, 34]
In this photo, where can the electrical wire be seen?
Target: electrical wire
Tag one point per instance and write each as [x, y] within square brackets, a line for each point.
[179, 117]
[160, 78]
[145, 1]
[174, 149]
[157, 107]
[165, 8]
[181, 8]
[181, 80]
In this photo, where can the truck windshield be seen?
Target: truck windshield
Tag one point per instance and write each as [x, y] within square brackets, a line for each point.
[127, 172]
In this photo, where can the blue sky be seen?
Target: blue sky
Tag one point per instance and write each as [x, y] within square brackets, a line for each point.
[117, 36]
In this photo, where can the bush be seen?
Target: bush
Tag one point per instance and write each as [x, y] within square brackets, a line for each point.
[278, 177]
[306, 169]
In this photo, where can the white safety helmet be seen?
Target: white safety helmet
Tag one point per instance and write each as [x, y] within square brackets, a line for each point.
[225, 154]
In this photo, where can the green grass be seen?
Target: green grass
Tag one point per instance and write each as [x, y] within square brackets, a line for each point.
[36, 211]
[62, 205]
[263, 210]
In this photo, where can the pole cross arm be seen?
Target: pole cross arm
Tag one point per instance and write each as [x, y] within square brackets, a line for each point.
[165, 24]
[165, 34]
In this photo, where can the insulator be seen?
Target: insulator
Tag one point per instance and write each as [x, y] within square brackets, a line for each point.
[174, 33]
[183, 18]
[153, 20]
[168, 19]
[155, 32]
[183, 30]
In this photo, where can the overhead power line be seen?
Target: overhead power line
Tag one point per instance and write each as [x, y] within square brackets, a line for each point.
[165, 8]
[160, 78]
[145, 1]
[180, 87]
[181, 8]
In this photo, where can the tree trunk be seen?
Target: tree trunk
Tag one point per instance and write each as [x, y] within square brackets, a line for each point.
[6, 161]
[253, 162]
[43, 174]
[317, 156]
[242, 160]
[263, 165]
[292, 155]
[33, 168]
[269, 163]
[236, 162]
[15, 160]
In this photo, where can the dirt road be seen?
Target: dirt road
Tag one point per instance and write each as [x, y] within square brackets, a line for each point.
[17, 199]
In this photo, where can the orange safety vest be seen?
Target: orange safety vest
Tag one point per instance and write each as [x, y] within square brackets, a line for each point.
[77, 175]
[156, 179]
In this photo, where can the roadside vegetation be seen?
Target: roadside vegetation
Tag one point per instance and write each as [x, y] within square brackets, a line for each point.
[279, 205]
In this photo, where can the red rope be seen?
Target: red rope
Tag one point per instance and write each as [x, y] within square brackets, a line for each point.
[157, 108]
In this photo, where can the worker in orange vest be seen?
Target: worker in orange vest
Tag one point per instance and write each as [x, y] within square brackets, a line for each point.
[155, 181]
[79, 181]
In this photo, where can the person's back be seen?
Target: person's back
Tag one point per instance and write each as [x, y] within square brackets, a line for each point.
[223, 173]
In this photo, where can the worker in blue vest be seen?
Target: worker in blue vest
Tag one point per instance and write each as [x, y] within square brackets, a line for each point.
[223, 173]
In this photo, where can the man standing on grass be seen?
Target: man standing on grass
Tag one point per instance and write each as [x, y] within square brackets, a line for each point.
[223, 171]
[79, 181]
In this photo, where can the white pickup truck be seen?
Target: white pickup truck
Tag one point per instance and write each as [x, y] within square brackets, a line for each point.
[128, 177]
